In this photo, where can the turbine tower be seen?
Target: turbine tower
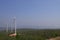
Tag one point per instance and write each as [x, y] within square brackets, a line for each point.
[14, 22]
[7, 28]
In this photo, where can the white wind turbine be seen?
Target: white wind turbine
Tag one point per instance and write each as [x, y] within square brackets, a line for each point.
[7, 28]
[14, 24]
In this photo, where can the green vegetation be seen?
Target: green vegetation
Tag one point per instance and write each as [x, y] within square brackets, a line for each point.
[30, 34]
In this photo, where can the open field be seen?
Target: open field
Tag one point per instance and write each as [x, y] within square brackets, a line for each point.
[31, 34]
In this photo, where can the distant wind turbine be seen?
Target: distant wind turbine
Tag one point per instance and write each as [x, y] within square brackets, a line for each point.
[7, 28]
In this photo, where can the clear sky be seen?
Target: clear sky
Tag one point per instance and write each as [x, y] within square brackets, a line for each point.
[30, 12]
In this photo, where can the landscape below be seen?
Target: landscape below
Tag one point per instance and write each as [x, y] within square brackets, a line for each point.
[31, 34]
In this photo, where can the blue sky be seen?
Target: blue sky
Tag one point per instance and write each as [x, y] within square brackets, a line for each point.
[30, 12]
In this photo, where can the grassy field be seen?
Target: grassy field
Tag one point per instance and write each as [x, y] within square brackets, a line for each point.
[31, 34]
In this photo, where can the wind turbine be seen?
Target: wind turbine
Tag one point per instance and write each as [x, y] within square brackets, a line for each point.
[14, 23]
[7, 28]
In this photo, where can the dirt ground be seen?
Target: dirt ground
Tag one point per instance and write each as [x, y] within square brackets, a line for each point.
[56, 38]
